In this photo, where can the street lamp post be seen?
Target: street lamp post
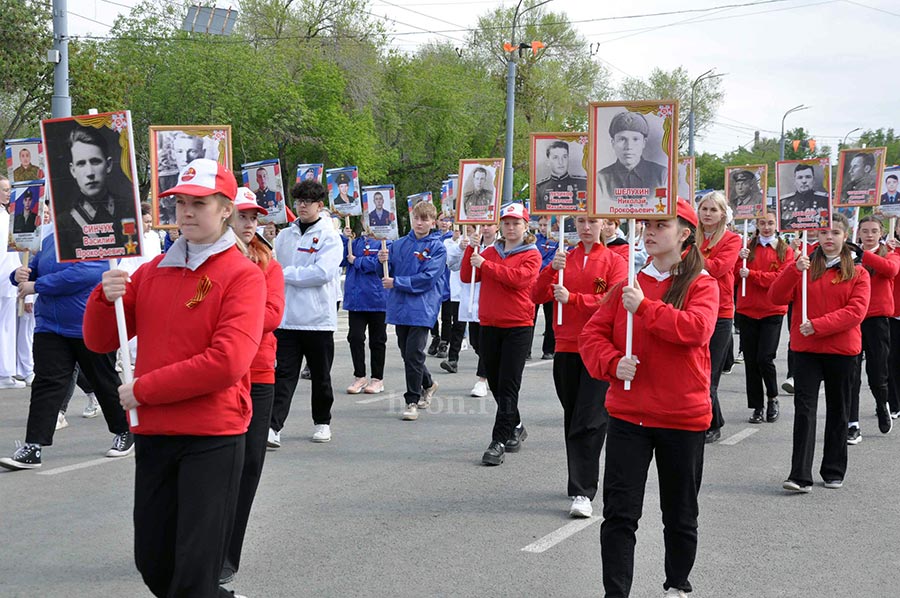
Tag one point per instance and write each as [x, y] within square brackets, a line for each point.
[707, 75]
[794, 109]
[844, 142]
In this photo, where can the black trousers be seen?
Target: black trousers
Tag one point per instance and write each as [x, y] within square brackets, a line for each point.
[444, 322]
[548, 344]
[55, 358]
[79, 379]
[759, 339]
[185, 494]
[718, 347]
[412, 341]
[317, 346]
[894, 366]
[254, 457]
[679, 465]
[876, 342]
[454, 328]
[475, 342]
[583, 401]
[358, 321]
[503, 351]
[790, 357]
[837, 373]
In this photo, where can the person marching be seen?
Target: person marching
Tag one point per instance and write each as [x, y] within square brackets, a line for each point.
[457, 325]
[507, 270]
[442, 330]
[719, 248]
[613, 238]
[894, 353]
[548, 248]
[416, 268]
[262, 373]
[759, 319]
[883, 266]
[590, 270]
[667, 410]
[199, 312]
[825, 347]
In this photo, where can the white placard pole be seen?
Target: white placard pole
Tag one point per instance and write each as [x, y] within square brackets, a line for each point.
[124, 353]
[474, 252]
[561, 248]
[803, 289]
[744, 280]
[629, 317]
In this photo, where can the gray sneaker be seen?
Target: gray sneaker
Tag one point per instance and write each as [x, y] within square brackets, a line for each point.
[427, 395]
[92, 409]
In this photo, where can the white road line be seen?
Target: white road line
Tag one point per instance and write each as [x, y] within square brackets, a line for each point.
[374, 399]
[745, 433]
[554, 538]
[77, 466]
[537, 363]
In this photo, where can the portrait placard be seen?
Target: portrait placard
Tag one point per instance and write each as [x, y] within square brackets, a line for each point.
[453, 189]
[889, 205]
[25, 203]
[24, 159]
[803, 194]
[380, 211]
[745, 190]
[172, 148]
[558, 173]
[633, 149]
[310, 172]
[264, 179]
[860, 172]
[447, 203]
[686, 178]
[412, 200]
[343, 191]
[480, 192]
[92, 181]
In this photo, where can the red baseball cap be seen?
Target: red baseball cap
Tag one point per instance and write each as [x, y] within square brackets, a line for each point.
[514, 210]
[686, 212]
[246, 200]
[204, 177]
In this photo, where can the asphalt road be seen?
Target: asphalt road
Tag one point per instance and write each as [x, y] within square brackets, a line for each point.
[393, 508]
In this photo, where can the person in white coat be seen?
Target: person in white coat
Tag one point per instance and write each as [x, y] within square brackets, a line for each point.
[310, 252]
[9, 261]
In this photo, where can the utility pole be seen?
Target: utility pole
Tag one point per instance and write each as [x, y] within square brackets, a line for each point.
[61, 103]
[707, 75]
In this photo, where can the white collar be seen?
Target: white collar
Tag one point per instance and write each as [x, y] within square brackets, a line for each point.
[770, 241]
[651, 271]
[832, 262]
[178, 257]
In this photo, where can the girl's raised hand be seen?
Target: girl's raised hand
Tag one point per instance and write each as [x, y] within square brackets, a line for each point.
[114, 283]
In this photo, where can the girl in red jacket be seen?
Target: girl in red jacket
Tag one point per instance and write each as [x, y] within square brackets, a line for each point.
[262, 372]
[667, 410]
[894, 354]
[882, 266]
[590, 270]
[507, 270]
[720, 248]
[198, 311]
[825, 348]
[760, 319]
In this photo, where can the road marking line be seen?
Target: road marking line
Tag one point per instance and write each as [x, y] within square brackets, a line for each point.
[745, 433]
[374, 399]
[77, 466]
[537, 363]
[555, 537]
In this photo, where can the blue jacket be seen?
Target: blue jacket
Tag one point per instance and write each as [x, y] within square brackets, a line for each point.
[62, 290]
[547, 247]
[417, 267]
[363, 290]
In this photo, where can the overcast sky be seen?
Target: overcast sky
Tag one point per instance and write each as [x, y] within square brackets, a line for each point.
[831, 55]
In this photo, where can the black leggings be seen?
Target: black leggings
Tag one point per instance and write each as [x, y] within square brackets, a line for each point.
[356, 337]
[504, 351]
[876, 342]
[759, 339]
[718, 346]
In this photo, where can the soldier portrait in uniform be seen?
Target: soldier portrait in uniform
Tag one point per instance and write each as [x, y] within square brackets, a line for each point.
[634, 159]
[890, 196]
[804, 202]
[309, 172]
[686, 184]
[558, 174]
[264, 179]
[412, 200]
[481, 185]
[859, 176]
[379, 211]
[744, 190]
[25, 159]
[343, 190]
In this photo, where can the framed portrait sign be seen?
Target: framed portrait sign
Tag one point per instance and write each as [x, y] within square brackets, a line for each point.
[25, 216]
[412, 200]
[686, 179]
[171, 149]
[558, 173]
[803, 194]
[24, 159]
[447, 202]
[745, 190]
[480, 191]
[264, 179]
[453, 192]
[859, 176]
[633, 149]
[380, 211]
[310, 172]
[92, 181]
[889, 203]
[343, 191]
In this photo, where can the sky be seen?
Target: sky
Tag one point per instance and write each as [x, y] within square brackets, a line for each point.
[836, 56]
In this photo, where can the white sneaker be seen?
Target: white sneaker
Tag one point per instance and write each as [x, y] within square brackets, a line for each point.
[11, 383]
[92, 409]
[274, 440]
[61, 421]
[464, 346]
[788, 386]
[321, 433]
[581, 507]
[740, 357]
[480, 389]
[411, 413]
[29, 379]
[676, 593]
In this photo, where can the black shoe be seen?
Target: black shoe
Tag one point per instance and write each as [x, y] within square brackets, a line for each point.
[757, 417]
[123, 445]
[515, 443]
[25, 457]
[772, 411]
[226, 576]
[853, 435]
[494, 454]
[433, 348]
[546, 356]
[450, 366]
[713, 435]
[885, 423]
[443, 350]
[528, 357]
[304, 374]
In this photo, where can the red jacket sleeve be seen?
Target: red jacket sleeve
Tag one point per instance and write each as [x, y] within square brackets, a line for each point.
[595, 343]
[886, 266]
[849, 315]
[542, 292]
[783, 288]
[723, 256]
[100, 329]
[274, 296]
[520, 276]
[465, 269]
[765, 278]
[691, 325]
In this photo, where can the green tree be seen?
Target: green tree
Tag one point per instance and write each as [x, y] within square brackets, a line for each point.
[710, 171]
[882, 138]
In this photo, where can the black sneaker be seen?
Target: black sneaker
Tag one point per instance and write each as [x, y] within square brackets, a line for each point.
[515, 443]
[433, 348]
[304, 374]
[450, 366]
[796, 487]
[494, 454]
[443, 350]
[25, 457]
[885, 423]
[853, 435]
[772, 411]
[546, 356]
[757, 417]
[123, 445]
[226, 576]
[713, 435]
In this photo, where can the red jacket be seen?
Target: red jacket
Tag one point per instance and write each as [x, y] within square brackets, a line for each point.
[764, 269]
[587, 283]
[896, 313]
[720, 260]
[505, 298]
[618, 246]
[193, 370]
[884, 271]
[671, 386]
[835, 309]
[262, 370]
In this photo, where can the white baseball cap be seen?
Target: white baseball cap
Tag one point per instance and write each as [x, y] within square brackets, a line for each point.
[204, 177]
[246, 200]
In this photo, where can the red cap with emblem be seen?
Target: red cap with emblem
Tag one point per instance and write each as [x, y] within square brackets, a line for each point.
[686, 212]
[204, 177]
[514, 210]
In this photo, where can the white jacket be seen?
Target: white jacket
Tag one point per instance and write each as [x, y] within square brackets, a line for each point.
[9, 260]
[312, 266]
[455, 282]
[468, 310]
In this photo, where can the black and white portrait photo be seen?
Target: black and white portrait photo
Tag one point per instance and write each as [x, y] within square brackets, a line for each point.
[481, 187]
[859, 176]
[804, 198]
[686, 183]
[744, 190]
[558, 174]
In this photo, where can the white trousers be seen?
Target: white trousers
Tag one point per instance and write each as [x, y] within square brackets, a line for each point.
[7, 337]
[24, 342]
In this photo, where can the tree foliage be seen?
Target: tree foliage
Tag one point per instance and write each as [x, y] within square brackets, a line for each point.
[25, 76]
